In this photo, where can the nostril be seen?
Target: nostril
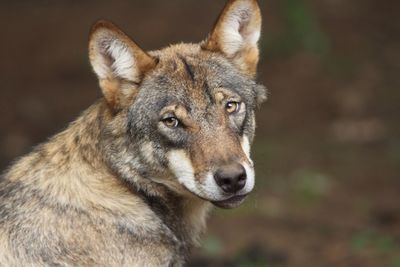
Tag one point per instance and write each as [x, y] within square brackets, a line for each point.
[241, 182]
[226, 181]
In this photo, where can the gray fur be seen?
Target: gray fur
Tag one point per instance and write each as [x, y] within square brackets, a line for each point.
[101, 193]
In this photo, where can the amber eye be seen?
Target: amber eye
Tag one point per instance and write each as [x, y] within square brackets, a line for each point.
[171, 122]
[232, 107]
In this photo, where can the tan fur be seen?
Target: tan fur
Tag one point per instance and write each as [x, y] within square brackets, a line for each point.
[247, 56]
[119, 187]
[110, 84]
[63, 171]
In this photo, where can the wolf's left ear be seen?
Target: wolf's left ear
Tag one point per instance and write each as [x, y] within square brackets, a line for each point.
[236, 34]
[116, 59]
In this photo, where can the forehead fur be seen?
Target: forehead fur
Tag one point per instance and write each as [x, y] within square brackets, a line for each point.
[187, 71]
[188, 76]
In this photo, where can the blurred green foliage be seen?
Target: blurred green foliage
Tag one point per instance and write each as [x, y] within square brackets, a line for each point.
[395, 262]
[302, 31]
[212, 245]
[361, 240]
[393, 151]
[247, 263]
[379, 243]
[309, 186]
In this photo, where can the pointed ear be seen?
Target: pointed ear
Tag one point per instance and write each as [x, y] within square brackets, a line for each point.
[236, 34]
[116, 59]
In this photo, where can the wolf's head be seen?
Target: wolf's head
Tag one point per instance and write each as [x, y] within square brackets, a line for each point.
[183, 116]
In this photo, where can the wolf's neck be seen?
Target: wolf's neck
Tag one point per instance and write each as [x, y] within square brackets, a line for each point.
[82, 139]
[184, 216]
[69, 169]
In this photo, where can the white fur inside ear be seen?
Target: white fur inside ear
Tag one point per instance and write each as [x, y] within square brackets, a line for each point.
[239, 30]
[114, 59]
[124, 62]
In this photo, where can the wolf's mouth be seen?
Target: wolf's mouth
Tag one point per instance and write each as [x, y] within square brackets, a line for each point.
[230, 203]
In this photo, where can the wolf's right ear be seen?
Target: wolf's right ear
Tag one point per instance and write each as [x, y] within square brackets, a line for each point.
[236, 34]
[115, 58]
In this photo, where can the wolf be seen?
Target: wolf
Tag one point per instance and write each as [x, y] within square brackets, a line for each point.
[131, 181]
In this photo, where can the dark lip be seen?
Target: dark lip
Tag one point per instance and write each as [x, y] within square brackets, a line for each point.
[230, 203]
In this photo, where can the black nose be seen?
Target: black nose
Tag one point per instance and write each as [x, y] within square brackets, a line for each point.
[231, 178]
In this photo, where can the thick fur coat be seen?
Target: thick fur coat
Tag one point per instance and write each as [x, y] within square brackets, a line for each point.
[130, 182]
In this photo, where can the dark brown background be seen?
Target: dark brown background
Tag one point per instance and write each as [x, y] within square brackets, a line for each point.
[328, 143]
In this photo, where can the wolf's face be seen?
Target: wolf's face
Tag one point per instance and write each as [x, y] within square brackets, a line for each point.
[199, 110]
[186, 112]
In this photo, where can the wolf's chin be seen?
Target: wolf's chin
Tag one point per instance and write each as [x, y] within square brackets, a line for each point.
[230, 203]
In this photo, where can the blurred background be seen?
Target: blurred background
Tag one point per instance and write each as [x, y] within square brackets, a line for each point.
[327, 150]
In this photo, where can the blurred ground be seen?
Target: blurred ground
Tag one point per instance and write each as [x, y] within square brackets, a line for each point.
[327, 150]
